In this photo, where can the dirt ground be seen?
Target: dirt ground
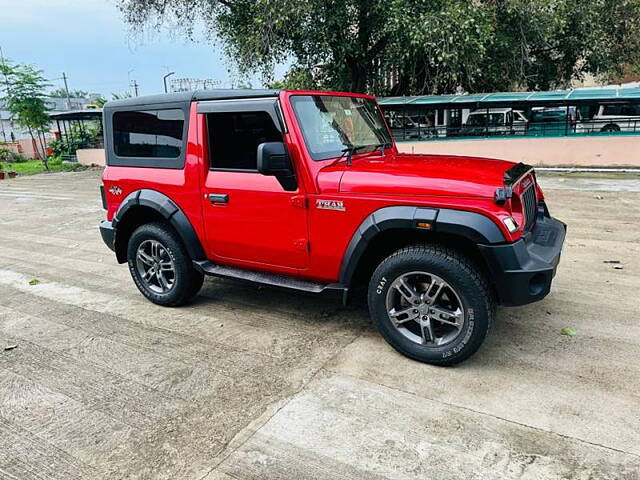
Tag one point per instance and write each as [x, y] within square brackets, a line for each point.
[260, 383]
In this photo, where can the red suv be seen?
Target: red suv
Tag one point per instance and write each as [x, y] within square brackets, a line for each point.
[307, 190]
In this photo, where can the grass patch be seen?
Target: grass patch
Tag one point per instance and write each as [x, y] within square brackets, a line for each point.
[32, 167]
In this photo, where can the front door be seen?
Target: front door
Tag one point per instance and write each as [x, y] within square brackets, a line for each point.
[249, 218]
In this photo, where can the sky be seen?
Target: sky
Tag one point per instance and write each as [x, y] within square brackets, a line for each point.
[88, 40]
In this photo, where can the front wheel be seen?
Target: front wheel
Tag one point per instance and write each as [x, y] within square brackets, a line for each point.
[160, 265]
[431, 304]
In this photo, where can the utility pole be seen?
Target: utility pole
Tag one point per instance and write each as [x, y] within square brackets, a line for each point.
[66, 89]
[135, 86]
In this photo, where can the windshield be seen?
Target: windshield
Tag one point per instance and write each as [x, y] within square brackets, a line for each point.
[330, 124]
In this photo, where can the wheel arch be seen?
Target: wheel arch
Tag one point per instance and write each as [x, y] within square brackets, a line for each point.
[391, 228]
[610, 127]
[145, 206]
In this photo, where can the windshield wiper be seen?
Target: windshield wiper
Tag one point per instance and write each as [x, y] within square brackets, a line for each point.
[350, 151]
[379, 148]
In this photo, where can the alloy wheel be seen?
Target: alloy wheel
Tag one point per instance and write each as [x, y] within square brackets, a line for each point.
[425, 309]
[155, 266]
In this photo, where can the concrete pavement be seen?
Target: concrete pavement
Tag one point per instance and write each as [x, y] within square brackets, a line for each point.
[259, 383]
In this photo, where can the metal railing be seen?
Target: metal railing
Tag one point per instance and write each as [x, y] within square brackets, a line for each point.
[600, 126]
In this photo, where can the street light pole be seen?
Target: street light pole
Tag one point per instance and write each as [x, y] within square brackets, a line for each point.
[164, 79]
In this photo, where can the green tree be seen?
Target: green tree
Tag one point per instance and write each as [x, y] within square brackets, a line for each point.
[121, 96]
[297, 78]
[62, 93]
[24, 95]
[413, 46]
[100, 101]
[548, 43]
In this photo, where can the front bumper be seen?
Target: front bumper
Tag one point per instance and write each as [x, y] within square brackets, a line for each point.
[522, 271]
[108, 233]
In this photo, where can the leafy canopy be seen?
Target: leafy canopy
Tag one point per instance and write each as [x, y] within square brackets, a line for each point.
[62, 93]
[412, 46]
[23, 92]
[25, 97]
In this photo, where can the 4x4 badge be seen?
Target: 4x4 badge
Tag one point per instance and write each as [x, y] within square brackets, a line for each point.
[330, 205]
[115, 190]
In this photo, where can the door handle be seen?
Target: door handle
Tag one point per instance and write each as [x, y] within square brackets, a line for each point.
[219, 198]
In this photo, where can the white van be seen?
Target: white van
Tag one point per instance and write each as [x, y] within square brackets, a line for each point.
[495, 121]
[612, 117]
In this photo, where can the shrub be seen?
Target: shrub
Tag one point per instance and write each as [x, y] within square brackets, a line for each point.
[87, 137]
[56, 160]
[9, 156]
[57, 147]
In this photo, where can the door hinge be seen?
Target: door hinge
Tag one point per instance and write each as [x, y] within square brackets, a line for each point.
[299, 201]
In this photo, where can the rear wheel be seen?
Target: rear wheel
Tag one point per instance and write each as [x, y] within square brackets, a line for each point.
[431, 304]
[610, 128]
[160, 266]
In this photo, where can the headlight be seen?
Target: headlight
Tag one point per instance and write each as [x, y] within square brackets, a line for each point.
[510, 223]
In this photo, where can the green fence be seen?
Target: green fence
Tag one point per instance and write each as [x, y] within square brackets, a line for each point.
[593, 111]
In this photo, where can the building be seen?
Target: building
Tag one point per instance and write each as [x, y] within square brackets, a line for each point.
[10, 132]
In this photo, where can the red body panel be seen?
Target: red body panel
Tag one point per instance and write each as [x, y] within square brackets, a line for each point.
[425, 175]
[263, 227]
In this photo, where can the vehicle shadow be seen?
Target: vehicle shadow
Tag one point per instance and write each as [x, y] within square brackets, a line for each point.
[516, 333]
[291, 305]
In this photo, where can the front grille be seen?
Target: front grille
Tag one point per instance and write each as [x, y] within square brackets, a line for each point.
[529, 206]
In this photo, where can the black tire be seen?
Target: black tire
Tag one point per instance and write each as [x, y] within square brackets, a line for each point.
[464, 278]
[610, 128]
[186, 280]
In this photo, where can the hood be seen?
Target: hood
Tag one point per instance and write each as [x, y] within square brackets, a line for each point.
[438, 175]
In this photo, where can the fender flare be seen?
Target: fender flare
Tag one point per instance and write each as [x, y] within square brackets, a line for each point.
[169, 210]
[475, 227]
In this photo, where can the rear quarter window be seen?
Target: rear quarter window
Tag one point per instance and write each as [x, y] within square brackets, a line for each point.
[147, 136]
[148, 133]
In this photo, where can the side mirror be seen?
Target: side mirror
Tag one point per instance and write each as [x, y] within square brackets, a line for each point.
[273, 159]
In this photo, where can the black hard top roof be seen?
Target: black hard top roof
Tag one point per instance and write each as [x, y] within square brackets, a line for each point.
[214, 94]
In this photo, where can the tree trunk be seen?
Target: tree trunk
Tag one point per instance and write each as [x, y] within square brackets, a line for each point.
[358, 75]
[43, 145]
[39, 146]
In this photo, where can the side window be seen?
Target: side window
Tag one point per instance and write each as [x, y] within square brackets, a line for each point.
[234, 138]
[631, 110]
[148, 133]
[612, 110]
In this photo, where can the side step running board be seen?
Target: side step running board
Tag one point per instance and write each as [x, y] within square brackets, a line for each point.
[210, 268]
